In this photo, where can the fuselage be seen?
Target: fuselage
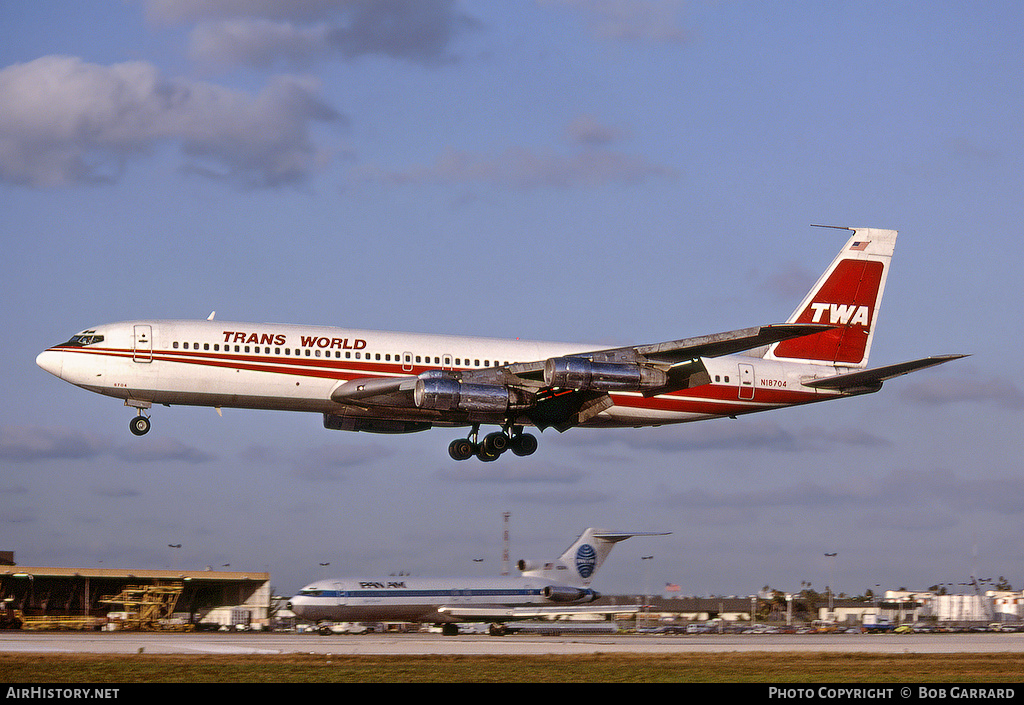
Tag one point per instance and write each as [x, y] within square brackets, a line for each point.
[419, 599]
[296, 368]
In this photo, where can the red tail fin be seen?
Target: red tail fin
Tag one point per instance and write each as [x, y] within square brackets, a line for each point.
[847, 295]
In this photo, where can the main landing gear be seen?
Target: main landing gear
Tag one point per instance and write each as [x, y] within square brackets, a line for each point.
[493, 444]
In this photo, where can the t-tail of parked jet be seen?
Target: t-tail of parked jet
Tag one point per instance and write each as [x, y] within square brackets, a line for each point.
[582, 559]
[848, 296]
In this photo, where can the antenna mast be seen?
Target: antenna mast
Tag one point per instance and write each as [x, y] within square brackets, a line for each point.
[504, 553]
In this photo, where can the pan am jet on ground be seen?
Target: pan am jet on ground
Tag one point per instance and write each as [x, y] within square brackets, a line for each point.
[385, 382]
[545, 589]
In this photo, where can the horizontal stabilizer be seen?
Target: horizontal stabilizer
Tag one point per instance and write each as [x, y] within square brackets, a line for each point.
[870, 380]
[616, 536]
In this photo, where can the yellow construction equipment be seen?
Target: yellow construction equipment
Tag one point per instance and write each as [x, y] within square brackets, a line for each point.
[38, 624]
[147, 607]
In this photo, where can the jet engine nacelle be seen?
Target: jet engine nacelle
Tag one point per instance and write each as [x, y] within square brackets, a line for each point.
[564, 593]
[446, 394]
[581, 373]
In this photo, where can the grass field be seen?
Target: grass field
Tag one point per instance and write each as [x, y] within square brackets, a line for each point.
[775, 668]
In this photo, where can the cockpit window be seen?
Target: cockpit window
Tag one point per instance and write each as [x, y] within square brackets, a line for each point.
[312, 592]
[88, 337]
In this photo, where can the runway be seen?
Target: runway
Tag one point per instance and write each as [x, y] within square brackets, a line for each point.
[468, 645]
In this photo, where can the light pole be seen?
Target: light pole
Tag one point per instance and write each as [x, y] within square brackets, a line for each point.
[831, 590]
[647, 581]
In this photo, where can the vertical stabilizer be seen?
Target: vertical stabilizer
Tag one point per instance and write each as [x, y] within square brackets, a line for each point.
[848, 296]
[582, 559]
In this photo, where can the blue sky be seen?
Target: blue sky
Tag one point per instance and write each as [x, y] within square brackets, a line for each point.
[592, 170]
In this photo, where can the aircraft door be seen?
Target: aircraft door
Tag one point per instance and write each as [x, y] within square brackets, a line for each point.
[142, 345]
[746, 381]
[407, 362]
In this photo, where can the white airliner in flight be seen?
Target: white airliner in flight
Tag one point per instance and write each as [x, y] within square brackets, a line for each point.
[545, 589]
[385, 382]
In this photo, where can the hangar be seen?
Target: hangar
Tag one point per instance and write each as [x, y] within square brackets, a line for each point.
[130, 598]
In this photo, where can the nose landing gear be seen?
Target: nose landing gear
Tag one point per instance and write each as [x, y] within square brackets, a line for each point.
[140, 425]
[493, 445]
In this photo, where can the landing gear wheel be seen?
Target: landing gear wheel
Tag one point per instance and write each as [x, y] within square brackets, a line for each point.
[486, 456]
[462, 449]
[139, 425]
[524, 444]
[495, 443]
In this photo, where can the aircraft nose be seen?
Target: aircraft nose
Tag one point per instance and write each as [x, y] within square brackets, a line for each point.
[297, 606]
[51, 361]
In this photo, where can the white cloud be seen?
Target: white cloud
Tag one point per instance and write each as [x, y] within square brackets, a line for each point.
[28, 444]
[265, 32]
[750, 435]
[64, 121]
[586, 130]
[999, 393]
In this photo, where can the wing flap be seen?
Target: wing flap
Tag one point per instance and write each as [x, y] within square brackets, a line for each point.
[871, 380]
[507, 614]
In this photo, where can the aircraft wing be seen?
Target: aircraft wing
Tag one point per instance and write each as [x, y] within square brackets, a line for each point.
[679, 358]
[673, 352]
[483, 613]
[678, 362]
[676, 351]
[871, 380]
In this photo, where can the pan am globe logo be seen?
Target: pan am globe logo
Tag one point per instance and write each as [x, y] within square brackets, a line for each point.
[586, 559]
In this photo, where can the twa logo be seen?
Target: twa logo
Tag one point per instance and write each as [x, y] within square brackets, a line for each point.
[840, 314]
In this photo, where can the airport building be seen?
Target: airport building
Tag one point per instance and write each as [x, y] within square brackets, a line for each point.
[47, 597]
[895, 607]
[42, 597]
